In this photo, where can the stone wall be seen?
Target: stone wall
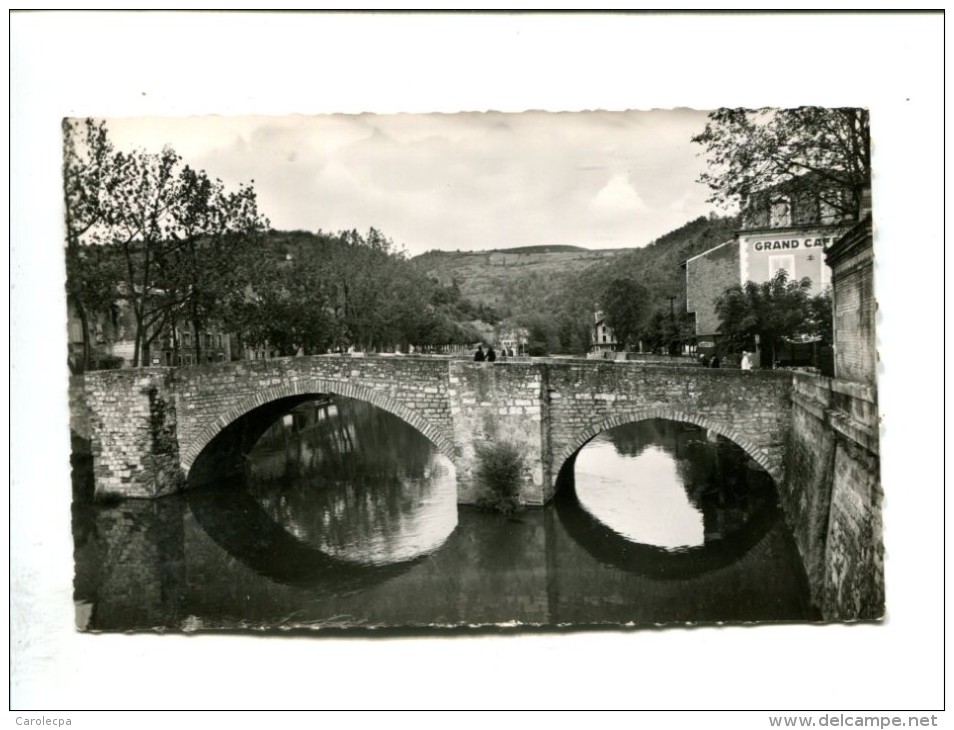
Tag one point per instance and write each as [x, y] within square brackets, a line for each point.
[499, 404]
[832, 495]
[211, 397]
[855, 309]
[79, 416]
[750, 408]
[133, 424]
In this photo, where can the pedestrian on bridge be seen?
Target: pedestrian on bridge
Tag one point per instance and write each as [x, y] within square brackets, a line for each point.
[479, 355]
[491, 355]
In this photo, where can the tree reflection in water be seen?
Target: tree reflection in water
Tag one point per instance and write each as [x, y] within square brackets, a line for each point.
[355, 482]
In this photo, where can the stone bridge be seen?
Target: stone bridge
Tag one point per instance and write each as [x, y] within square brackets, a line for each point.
[149, 426]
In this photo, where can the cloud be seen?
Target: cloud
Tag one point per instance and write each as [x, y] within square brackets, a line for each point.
[468, 181]
[619, 198]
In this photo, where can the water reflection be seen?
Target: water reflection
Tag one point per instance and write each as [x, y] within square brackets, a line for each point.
[354, 482]
[345, 516]
[665, 498]
[651, 507]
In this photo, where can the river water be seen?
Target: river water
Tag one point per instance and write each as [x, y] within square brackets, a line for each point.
[345, 516]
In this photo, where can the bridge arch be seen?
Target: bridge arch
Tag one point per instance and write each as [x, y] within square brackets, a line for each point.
[299, 388]
[592, 430]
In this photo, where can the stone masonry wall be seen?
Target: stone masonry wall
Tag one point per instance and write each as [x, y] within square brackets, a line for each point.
[211, 397]
[854, 315]
[79, 416]
[832, 495]
[132, 419]
[751, 408]
[499, 404]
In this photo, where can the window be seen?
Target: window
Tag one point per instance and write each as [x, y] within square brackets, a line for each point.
[829, 207]
[187, 339]
[780, 213]
[777, 263]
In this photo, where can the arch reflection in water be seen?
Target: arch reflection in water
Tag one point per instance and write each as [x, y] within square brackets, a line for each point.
[665, 497]
[355, 482]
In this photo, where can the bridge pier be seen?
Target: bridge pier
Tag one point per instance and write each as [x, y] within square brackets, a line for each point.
[132, 423]
[492, 405]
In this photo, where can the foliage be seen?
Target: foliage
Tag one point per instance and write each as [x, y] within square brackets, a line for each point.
[168, 236]
[625, 303]
[499, 469]
[330, 291]
[104, 361]
[756, 149]
[666, 331]
[773, 309]
[556, 293]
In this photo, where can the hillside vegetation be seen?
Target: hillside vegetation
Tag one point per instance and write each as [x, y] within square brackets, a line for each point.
[555, 293]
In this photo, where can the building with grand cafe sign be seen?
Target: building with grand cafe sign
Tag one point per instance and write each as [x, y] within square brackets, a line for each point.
[779, 231]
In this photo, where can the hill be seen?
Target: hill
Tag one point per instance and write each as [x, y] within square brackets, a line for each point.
[513, 279]
[556, 292]
[483, 276]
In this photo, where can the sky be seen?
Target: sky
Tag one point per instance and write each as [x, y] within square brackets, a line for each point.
[468, 181]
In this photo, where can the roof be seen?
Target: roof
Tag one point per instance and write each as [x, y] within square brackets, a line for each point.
[708, 251]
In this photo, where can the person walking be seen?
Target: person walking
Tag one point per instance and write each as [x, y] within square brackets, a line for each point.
[479, 355]
[746, 360]
[491, 355]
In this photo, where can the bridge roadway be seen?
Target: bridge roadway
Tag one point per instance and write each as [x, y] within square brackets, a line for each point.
[149, 426]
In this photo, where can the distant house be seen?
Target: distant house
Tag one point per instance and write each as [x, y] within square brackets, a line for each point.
[604, 340]
[113, 339]
[514, 340]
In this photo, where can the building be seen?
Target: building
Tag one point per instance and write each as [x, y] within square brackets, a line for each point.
[113, 341]
[788, 228]
[603, 338]
[183, 346]
[514, 340]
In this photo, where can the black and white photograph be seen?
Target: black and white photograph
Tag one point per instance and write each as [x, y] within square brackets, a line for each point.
[439, 345]
[533, 369]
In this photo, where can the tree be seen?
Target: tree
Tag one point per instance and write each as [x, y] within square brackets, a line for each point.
[668, 330]
[290, 308]
[625, 303]
[827, 150]
[773, 309]
[217, 237]
[87, 171]
[174, 233]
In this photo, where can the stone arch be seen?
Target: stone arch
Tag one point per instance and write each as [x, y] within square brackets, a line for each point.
[756, 452]
[314, 386]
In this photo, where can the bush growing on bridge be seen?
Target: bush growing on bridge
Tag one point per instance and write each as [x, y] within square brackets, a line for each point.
[499, 466]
